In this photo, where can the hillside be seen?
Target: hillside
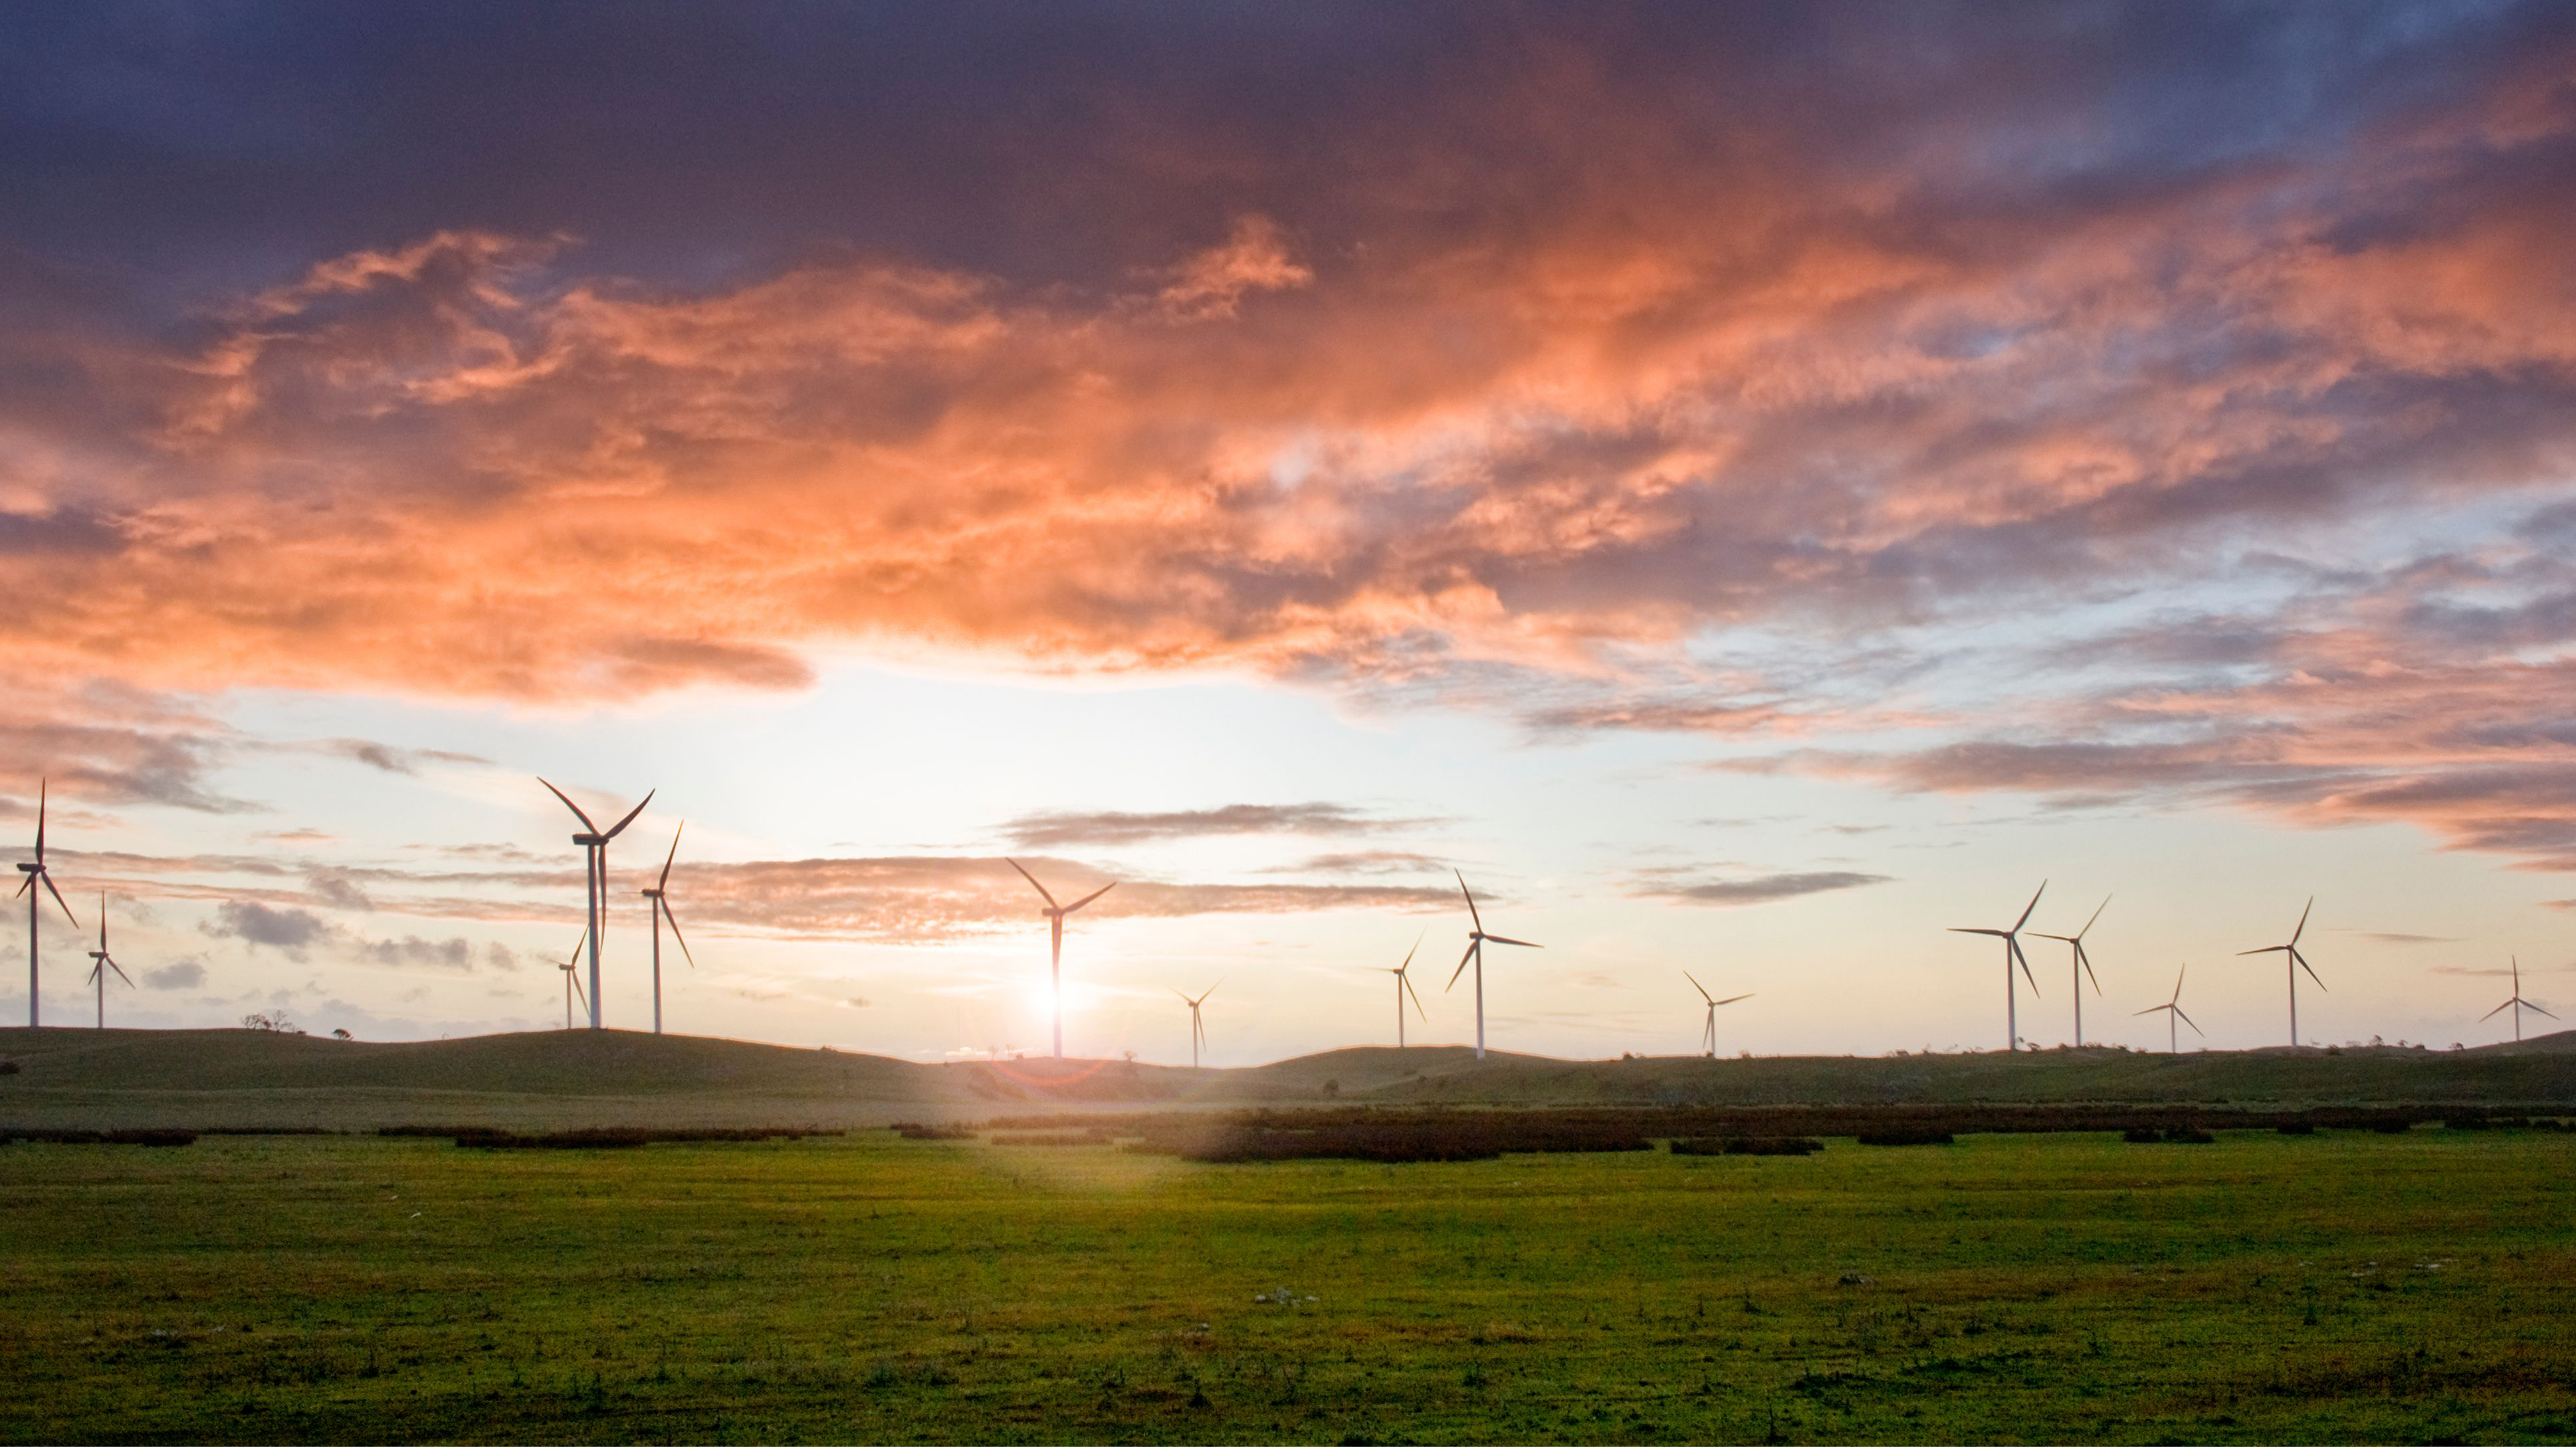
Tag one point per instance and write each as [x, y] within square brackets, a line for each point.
[239, 1078]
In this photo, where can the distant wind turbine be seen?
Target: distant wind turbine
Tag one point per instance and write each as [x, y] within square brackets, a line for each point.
[1476, 941]
[102, 964]
[2517, 1004]
[2012, 956]
[594, 844]
[2172, 1010]
[572, 980]
[1055, 914]
[1198, 1028]
[2297, 962]
[1404, 987]
[35, 872]
[1708, 1032]
[660, 909]
[2082, 968]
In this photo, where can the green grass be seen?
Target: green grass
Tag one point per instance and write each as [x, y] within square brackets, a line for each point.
[2339, 1287]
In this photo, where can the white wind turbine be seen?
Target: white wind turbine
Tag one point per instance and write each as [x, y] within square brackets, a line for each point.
[2082, 966]
[36, 872]
[2297, 962]
[1708, 1032]
[1476, 941]
[660, 909]
[2517, 1004]
[1055, 914]
[594, 845]
[101, 964]
[2012, 956]
[1198, 1028]
[2172, 1011]
[1404, 987]
[572, 980]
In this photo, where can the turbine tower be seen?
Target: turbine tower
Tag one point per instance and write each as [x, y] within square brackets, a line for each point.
[2297, 962]
[2517, 1004]
[1476, 940]
[2013, 955]
[2082, 966]
[1404, 987]
[572, 980]
[2172, 1010]
[1708, 1032]
[34, 873]
[1055, 914]
[594, 844]
[660, 910]
[101, 964]
[1198, 1029]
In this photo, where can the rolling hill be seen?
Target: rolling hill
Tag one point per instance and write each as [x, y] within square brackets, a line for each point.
[241, 1078]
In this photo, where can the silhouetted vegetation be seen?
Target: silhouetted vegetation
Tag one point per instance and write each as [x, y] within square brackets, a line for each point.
[1746, 1146]
[151, 1137]
[1905, 1138]
[916, 1131]
[603, 1138]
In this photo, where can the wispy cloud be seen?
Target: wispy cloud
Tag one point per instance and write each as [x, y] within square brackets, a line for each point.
[1109, 829]
[1757, 889]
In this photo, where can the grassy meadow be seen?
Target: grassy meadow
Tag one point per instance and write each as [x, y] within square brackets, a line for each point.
[2265, 1287]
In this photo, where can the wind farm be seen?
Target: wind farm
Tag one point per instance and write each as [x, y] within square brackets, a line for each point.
[1754, 483]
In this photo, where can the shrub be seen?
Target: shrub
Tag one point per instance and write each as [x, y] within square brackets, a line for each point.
[915, 1131]
[2296, 1127]
[1905, 1138]
[2138, 1135]
[2185, 1135]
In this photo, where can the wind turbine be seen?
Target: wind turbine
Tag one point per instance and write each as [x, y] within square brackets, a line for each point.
[2012, 954]
[594, 844]
[1708, 1032]
[102, 964]
[2517, 1004]
[572, 979]
[1055, 914]
[660, 909]
[1404, 987]
[2083, 962]
[2296, 963]
[35, 872]
[1198, 1030]
[2173, 1011]
[1476, 939]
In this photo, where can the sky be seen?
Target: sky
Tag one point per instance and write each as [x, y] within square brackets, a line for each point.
[1750, 488]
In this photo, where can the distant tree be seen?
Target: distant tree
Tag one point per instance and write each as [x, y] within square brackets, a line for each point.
[340, 1035]
[1332, 1088]
[275, 1023]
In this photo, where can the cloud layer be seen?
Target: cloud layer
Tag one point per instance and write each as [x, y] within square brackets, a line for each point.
[2202, 379]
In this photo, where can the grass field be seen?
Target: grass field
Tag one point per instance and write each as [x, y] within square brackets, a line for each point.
[2336, 1287]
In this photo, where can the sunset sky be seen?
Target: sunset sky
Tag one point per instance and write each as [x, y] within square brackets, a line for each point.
[1750, 486]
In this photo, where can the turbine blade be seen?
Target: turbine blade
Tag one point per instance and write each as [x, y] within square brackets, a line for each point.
[1033, 882]
[2498, 1010]
[24, 885]
[2151, 1009]
[1964, 930]
[578, 946]
[2086, 961]
[2178, 974]
[665, 881]
[2097, 914]
[1462, 968]
[2045, 935]
[102, 927]
[129, 979]
[1408, 954]
[2303, 920]
[674, 921]
[2186, 1019]
[578, 992]
[586, 825]
[630, 818]
[2311, 969]
[2535, 1009]
[1696, 985]
[1088, 898]
[1471, 903]
[1502, 940]
[58, 897]
[1729, 1000]
[2023, 960]
[1407, 982]
[2266, 950]
[41, 786]
[2034, 904]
